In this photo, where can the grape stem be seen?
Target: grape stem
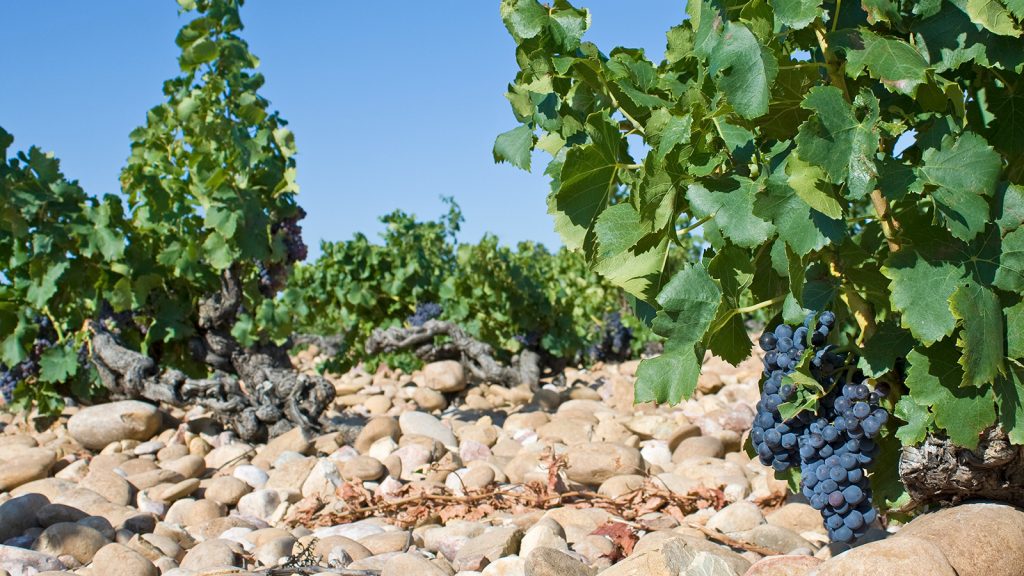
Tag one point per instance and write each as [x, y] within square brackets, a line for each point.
[746, 310]
[53, 322]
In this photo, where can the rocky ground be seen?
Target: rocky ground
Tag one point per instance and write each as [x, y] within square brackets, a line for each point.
[448, 478]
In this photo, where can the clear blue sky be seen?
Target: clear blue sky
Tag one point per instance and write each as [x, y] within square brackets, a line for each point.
[393, 104]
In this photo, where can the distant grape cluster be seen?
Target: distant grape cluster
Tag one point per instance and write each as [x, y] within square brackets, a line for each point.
[424, 312]
[832, 446]
[292, 235]
[615, 340]
[29, 367]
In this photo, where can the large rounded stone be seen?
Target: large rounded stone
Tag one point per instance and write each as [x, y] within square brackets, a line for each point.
[226, 490]
[21, 561]
[409, 564]
[907, 556]
[96, 426]
[120, 560]
[19, 514]
[978, 539]
[375, 429]
[444, 376]
[216, 553]
[783, 566]
[25, 466]
[76, 540]
[594, 463]
[423, 424]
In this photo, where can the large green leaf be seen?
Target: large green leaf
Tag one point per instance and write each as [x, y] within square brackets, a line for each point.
[993, 16]
[895, 63]
[917, 421]
[841, 138]
[588, 179]
[796, 14]
[689, 302]
[934, 380]
[801, 227]
[669, 377]
[886, 346]
[729, 202]
[1015, 331]
[616, 257]
[962, 175]
[981, 319]
[747, 70]
[514, 147]
[920, 291]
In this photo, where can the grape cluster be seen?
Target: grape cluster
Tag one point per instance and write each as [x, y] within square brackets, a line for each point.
[29, 367]
[832, 446]
[424, 312]
[272, 279]
[834, 452]
[615, 340]
[291, 233]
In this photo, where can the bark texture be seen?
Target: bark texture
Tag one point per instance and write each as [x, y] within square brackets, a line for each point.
[256, 391]
[938, 472]
[476, 356]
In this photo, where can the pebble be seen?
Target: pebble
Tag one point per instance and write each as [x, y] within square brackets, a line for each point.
[445, 376]
[119, 560]
[906, 556]
[216, 553]
[94, 427]
[422, 424]
[25, 466]
[75, 540]
[227, 490]
[594, 463]
[551, 562]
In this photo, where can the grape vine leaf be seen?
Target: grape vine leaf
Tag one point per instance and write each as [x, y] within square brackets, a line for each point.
[45, 285]
[796, 14]
[895, 63]
[747, 70]
[1015, 331]
[841, 138]
[993, 16]
[588, 178]
[801, 227]
[1009, 275]
[980, 315]
[920, 291]
[1010, 397]
[514, 147]
[57, 364]
[730, 204]
[879, 354]
[669, 377]
[934, 380]
[963, 173]
[689, 303]
[618, 229]
[917, 421]
[806, 179]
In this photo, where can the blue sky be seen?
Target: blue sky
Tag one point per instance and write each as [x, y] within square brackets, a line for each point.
[393, 104]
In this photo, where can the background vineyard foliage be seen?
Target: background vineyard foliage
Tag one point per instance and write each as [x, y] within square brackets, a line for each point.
[773, 125]
[209, 185]
[500, 294]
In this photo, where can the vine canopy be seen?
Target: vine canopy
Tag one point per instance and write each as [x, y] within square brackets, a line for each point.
[865, 157]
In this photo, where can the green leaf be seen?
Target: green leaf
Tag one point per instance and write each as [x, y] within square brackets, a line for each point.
[1010, 397]
[689, 302]
[618, 229]
[667, 378]
[963, 173]
[44, 287]
[802, 228]
[796, 14]
[993, 16]
[895, 63]
[1010, 274]
[730, 204]
[588, 178]
[58, 364]
[879, 354]
[981, 319]
[747, 70]
[807, 179]
[934, 380]
[917, 421]
[514, 147]
[1015, 331]
[835, 139]
[920, 291]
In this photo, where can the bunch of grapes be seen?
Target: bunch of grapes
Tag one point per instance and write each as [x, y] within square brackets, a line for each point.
[29, 367]
[272, 279]
[832, 446]
[425, 311]
[291, 233]
[615, 340]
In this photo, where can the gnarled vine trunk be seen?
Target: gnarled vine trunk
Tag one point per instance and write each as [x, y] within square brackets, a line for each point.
[256, 391]
[476, 356]
[938, 472]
